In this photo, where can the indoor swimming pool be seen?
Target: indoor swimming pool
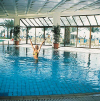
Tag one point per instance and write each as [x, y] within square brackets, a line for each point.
[56, 72]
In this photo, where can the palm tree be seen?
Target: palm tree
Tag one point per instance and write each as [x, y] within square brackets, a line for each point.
[9, 24]
[2, 31]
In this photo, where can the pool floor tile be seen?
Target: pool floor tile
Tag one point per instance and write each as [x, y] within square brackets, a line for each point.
[68, 76]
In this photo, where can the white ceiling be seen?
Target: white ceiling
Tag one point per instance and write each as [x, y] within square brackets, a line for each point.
[35, 8]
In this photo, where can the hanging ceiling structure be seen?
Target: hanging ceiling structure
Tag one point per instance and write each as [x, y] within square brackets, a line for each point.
[40, 12]
[24, 8]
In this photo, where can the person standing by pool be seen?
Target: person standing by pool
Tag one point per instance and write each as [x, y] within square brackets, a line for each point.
[36, 49]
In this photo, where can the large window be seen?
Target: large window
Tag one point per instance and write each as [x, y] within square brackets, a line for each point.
[73, 36]
[23, 33]
[83, 37]
[49, 36]
[3, 32]
[70, 36]
[6, 26]
[75, 30]
[31, 33]
[62, 36]
[39, 35]
[95, 37]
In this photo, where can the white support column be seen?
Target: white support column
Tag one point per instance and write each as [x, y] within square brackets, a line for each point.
[56, 21]
[56, 18]
[16, 21]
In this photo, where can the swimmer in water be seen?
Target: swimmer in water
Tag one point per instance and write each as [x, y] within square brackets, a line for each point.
[36, 49]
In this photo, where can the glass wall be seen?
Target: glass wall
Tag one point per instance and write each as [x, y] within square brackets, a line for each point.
[6, 26]
[6, 33]
[62, 36]
[49, 36]
[95, 37]
[83, 37]
[75, 30]
[3, 32]
[73, 36]
[70, 36]
[31, 34]
[39, 35]
[23, 33]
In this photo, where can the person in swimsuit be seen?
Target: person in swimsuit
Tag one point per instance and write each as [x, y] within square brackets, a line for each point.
[36, 49]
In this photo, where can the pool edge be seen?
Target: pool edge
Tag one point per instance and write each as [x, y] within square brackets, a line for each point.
[50, 96]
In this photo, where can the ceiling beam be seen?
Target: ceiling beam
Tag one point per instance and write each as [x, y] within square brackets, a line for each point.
[3, 8]
[30, 2]
[15, 8]
[42, 6]
[60, 3]
[95, 8]
[73, 6]
[88, 5]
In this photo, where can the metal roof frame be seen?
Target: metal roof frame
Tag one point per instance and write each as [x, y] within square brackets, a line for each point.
[81, 20]
[39, 22]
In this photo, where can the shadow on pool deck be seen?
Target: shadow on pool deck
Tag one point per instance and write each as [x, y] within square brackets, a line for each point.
[67, 97]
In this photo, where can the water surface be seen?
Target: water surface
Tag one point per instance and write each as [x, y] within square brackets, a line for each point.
[56, 72]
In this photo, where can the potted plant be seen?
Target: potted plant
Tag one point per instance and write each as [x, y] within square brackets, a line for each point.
[17, 34]
[56, 31]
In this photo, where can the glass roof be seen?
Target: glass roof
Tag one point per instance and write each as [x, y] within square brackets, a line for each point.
[78, 20]
[21, 23]
[38, 21]
[30, 23]
[82, 20]
[61, 22]
[34, 22]
[71, 20]
[65, 21]
[48, 21]
[92, 20]
[27, 8]
[44, 22]
[98, 19]
[51, 20]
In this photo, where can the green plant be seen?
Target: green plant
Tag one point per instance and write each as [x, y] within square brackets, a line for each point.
[9, 24]
[56, 31]
[17, 33]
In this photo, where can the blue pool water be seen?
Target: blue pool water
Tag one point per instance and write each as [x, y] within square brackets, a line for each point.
[1, 40]
[56, 72]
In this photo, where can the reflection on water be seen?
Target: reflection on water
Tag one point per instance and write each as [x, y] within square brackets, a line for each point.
[36, 60]
[88, 63]
[26, 51]
[55, 55]
[57, 68]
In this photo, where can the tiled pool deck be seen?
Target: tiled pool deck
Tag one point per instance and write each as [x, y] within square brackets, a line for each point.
[67, 97]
